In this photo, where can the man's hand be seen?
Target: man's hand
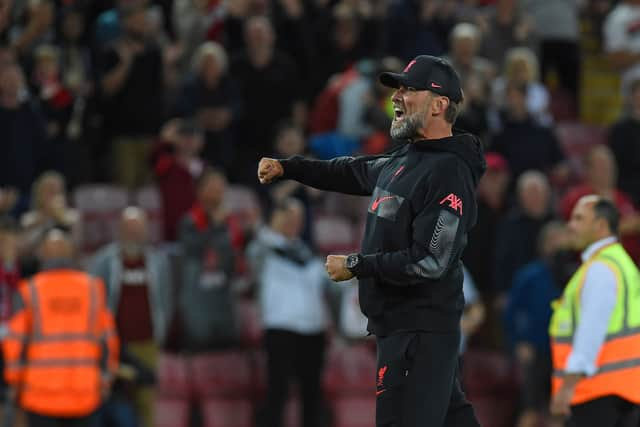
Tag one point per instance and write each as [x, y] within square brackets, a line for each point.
[560, 406]
[337, 268]
[268, 170]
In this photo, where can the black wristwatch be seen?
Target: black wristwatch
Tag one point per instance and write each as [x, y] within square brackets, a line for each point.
[352, 262]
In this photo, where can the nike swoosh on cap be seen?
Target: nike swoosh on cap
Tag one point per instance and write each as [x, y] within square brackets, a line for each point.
[436, 86]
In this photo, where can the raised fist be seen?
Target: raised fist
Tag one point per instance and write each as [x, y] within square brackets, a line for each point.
[269, 170]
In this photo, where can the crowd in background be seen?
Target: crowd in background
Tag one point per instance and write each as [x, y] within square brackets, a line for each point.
[179, 99]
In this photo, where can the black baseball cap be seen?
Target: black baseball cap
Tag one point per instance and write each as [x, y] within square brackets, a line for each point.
[427, 72]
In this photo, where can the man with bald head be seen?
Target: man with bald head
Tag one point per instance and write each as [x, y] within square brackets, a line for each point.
[138, 281]
[595, 327]
[62, 350]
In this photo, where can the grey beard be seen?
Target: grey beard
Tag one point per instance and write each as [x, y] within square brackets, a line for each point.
[407, 128]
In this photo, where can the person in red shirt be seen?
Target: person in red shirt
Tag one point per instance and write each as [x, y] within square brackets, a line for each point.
[600, 178]
[177, 166]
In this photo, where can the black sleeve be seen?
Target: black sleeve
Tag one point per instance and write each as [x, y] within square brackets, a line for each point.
[348, 175]
[439, 233]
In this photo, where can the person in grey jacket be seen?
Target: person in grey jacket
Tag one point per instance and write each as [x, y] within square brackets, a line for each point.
[138, 283]
[292, 286]
[206, 302]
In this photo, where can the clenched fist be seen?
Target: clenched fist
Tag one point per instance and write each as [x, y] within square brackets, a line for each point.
[336, 266]
[268, 170]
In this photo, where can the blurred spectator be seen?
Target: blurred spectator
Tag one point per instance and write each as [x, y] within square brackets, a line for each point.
[59, 365]
[621, 42]
[211, 95]
[527, 315]
[341, 40]
[132, 86]
[139, 292]
[624, 140]
[177, 166]
[474, 311]
[479, 252]
[521, 68]
[503, 27]
[525, 143]
[352, 103]
[206, 303]
[49, 210]
[474, 112]
[75, 57]
[193, 20]
[9, 279]
[556, 27]
[23, 134]
[290, 141]
[600, 179]
[417, 27]
[518, 232]
[292, 285]
[32, 24]
[463, 55]
[9, 267]
[271, 92]
[56, 102]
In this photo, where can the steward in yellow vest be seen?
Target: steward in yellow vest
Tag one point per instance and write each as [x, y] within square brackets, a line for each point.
[595, 327]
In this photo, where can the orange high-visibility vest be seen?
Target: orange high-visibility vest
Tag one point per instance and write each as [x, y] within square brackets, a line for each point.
[618, 361]
[61, 348]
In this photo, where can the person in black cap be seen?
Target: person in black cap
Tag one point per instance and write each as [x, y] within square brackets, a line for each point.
[409, 270]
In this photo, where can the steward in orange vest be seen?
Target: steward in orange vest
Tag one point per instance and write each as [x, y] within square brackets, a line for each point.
[595, 327]
[61, 351]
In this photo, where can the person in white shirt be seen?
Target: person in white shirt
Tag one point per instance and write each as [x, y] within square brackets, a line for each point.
[622, 41]
[588, 388]
[291, 286]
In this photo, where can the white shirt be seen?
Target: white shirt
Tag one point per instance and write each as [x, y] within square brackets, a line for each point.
[622, 33]
[597, 301]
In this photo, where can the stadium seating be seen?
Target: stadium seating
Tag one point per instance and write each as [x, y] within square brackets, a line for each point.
[170, 412]
[334, 234]
[218, 412]
[224, 374]
[350, 370]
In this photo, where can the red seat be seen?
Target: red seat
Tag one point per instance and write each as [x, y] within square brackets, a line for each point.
[292, 409]
[171, 412]
[355, 411]
[221, 374]
[227, 413]
[494, 411]
[173, 379]
[487, 372]
[351, 371]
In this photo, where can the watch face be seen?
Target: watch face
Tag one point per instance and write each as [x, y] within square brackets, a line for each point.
[352, 261]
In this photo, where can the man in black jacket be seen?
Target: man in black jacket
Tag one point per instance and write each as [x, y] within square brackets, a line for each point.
[422, 207]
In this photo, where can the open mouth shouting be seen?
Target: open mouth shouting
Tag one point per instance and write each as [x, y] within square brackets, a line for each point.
[398, 112]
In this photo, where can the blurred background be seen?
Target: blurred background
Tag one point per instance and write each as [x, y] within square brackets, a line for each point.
[135, 126]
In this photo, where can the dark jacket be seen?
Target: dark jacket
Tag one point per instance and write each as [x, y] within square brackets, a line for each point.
[422, 206]
[206, 304]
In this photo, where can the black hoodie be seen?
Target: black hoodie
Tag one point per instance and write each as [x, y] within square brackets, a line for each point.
[422, 207]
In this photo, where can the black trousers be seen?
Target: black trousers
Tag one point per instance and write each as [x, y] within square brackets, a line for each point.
[417, 382]
[294, 356]
[608, 411]
[35, 420]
